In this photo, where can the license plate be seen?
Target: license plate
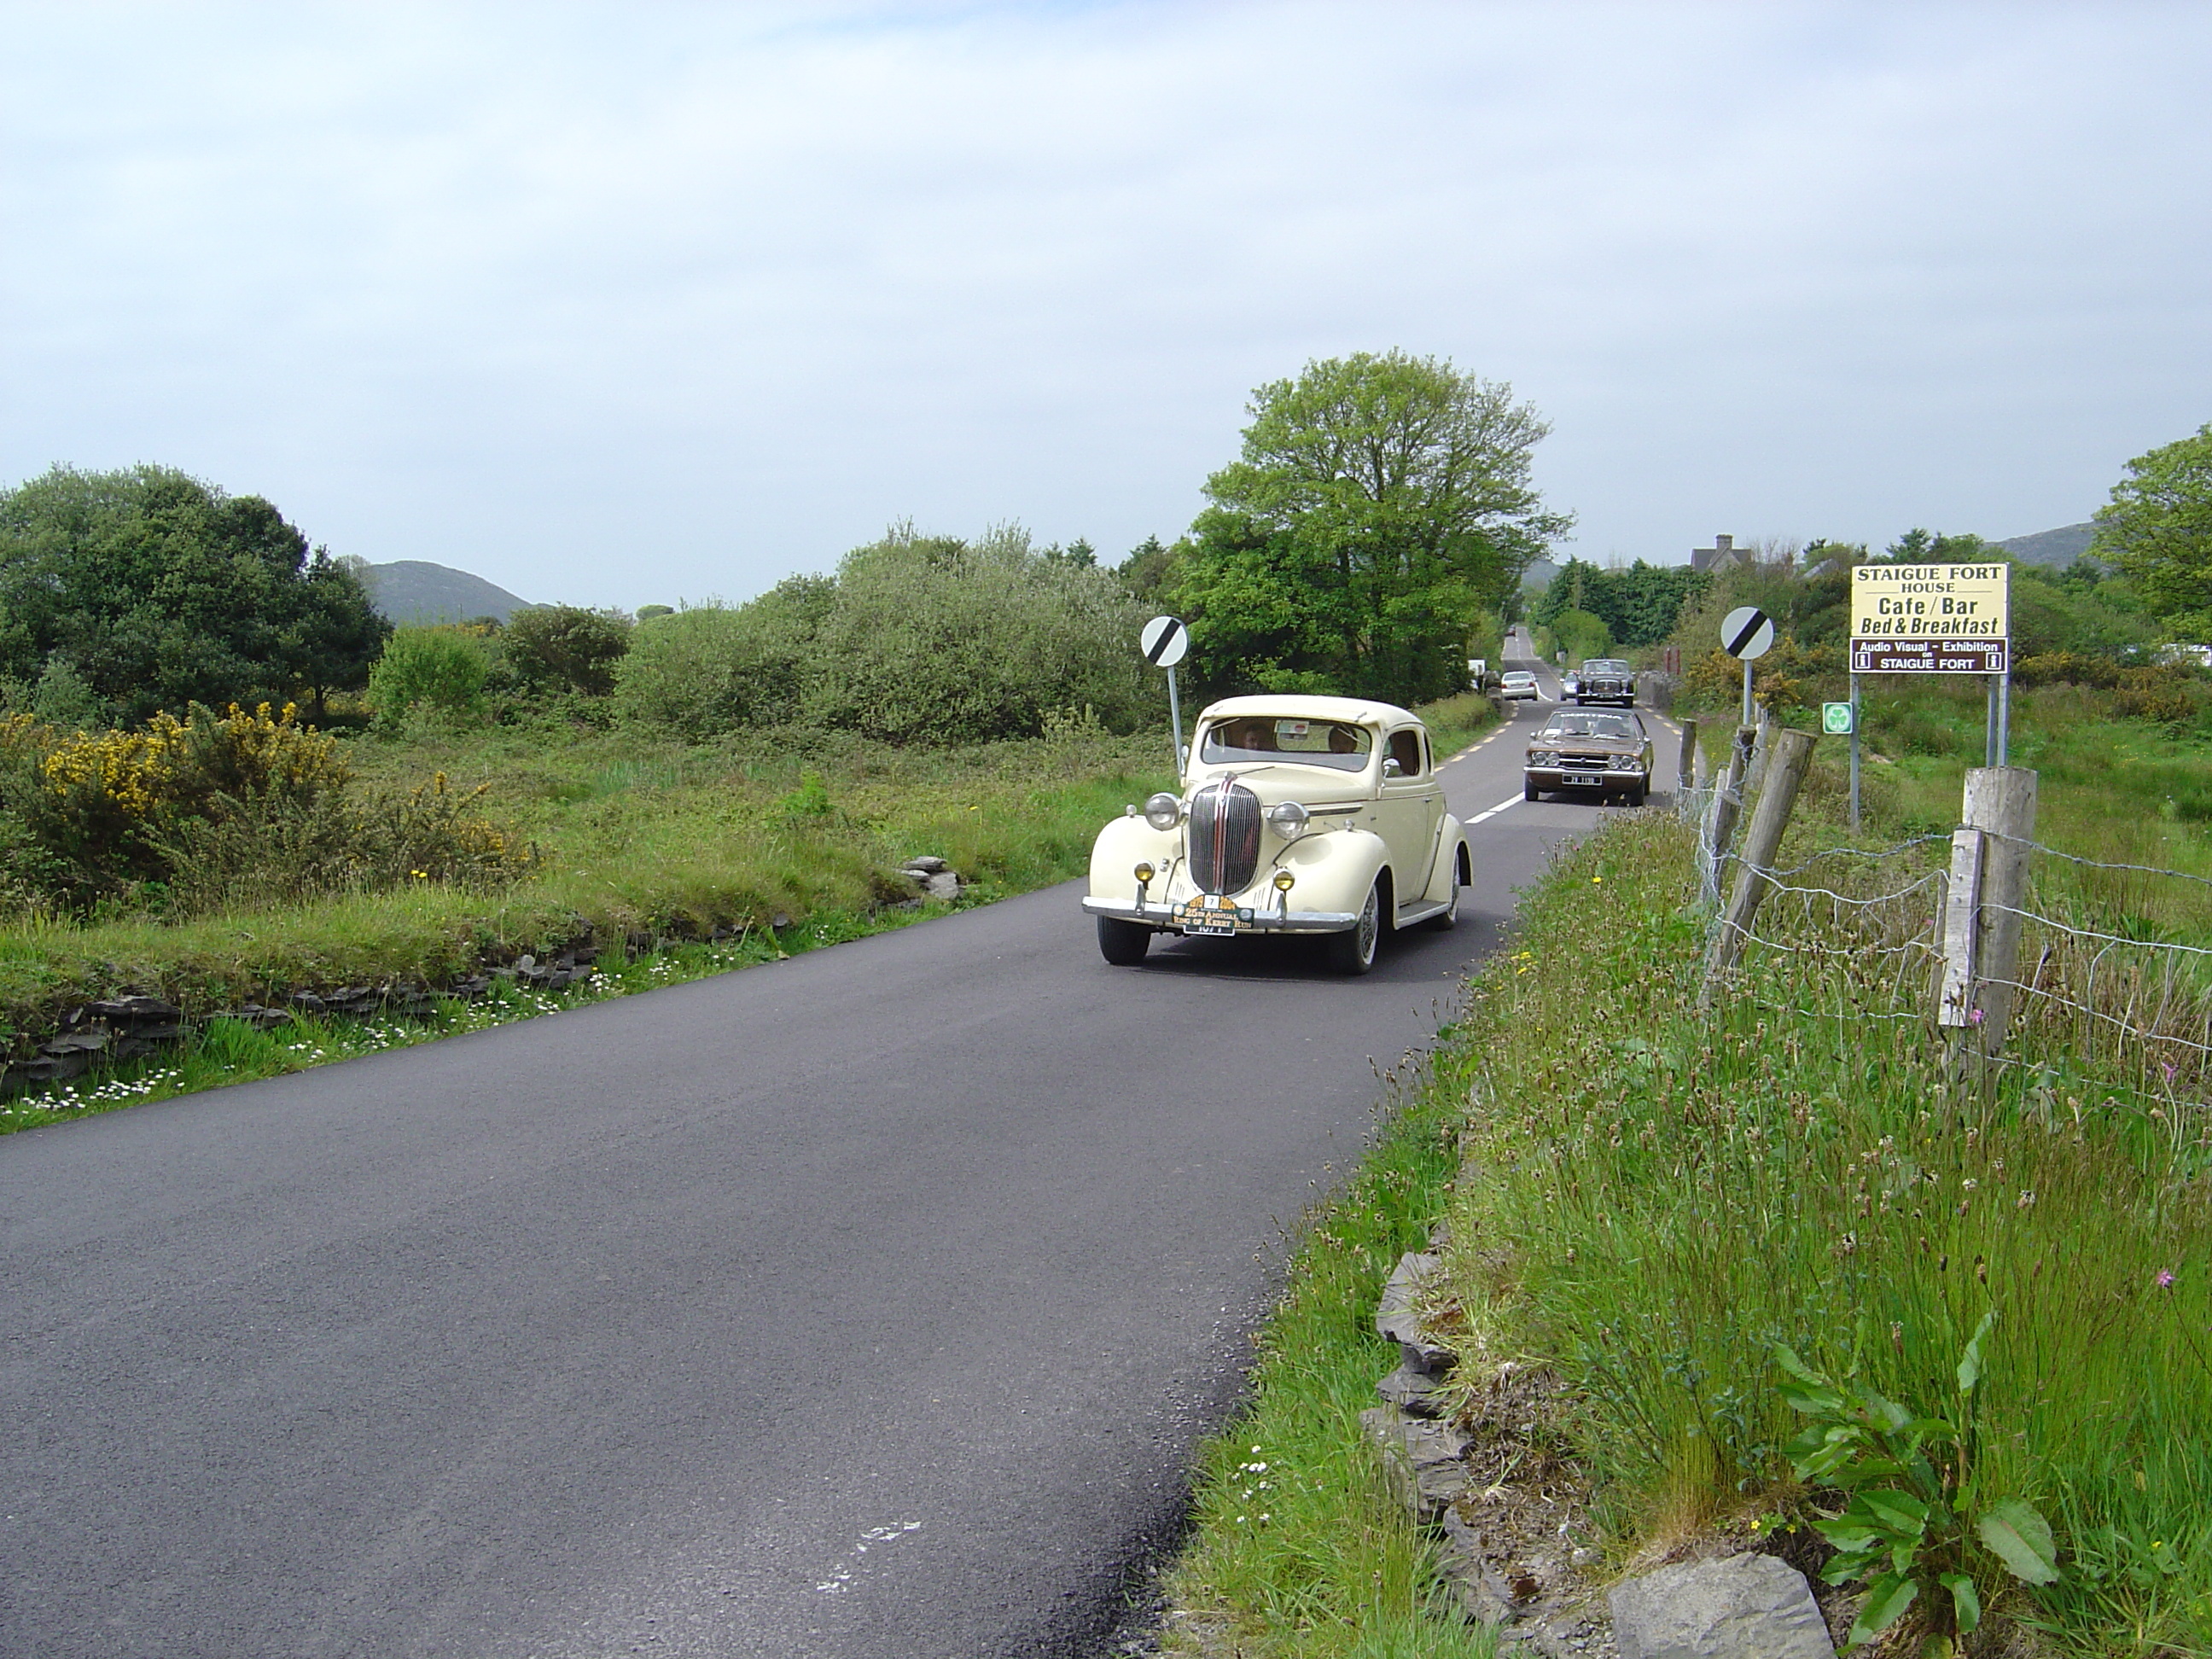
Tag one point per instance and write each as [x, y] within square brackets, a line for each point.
[1584, 781]
[1213, 916]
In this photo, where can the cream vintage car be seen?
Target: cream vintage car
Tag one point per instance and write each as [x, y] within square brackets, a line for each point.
[1298, 815]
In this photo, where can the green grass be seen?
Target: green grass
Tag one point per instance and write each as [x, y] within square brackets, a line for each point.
[639, 842]
[1299, 1551]
[1654, 1194]
[1665, 1193]
[651, 846]
[218, 1052]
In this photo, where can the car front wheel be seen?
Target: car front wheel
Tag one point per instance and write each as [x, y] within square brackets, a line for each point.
[1123, 943]
[1529, 791]
[1352, 951]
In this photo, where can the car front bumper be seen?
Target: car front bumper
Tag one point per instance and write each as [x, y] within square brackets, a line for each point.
[1559, 777]
[1263, 920]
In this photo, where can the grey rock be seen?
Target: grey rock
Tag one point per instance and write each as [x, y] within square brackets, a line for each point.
[135, 1010]
[1412, 1391]
[929, 865]
[1421, 1460]
[944, 885]
[1395, 1320]
[1745, 1607]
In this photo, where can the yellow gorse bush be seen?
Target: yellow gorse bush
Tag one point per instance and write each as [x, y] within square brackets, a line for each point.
[172, 763]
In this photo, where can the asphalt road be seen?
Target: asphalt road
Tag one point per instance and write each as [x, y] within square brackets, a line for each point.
[862, 1306]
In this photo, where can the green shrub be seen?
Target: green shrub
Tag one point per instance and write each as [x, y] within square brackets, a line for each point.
[102, 805]
[1581, 635]
[713, 669]
[565, 647]
[917, 639]
[440, 670]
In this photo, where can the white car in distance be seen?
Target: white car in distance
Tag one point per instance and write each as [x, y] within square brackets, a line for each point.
[1519, 686]
[1298, 815]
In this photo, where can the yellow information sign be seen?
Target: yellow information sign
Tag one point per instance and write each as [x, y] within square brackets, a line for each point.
[1930, 618]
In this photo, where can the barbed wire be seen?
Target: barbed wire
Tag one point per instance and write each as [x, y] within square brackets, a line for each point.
[1859, 852]
[2057, 925]
[2096, 864]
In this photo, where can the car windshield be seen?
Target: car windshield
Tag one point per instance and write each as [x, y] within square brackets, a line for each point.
[1517, 678]
[1605, 665]
[1301, 742]
[1589, 726]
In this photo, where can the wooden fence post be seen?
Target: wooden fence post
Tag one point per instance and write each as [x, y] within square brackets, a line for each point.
[1789, 754]
[2000, 804]
[1686, 768]
[1728, 801]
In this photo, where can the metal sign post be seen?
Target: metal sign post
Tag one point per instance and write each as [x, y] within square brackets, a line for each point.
[1165, 642]
[1841, 719]
[1855, 753]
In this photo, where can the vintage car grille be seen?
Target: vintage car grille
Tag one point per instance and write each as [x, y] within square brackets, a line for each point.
[1584, 762]
[1225, 837]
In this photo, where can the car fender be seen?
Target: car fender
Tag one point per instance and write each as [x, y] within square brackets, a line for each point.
[1451, 847]
[1334, 868]
[1121, 846]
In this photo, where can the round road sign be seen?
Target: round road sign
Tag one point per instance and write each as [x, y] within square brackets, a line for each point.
[1746, 632]
[1165, 642]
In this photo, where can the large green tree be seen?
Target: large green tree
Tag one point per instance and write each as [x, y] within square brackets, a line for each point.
[1638, 604]
[157, 590]
[1382, 503]
[2157, 529]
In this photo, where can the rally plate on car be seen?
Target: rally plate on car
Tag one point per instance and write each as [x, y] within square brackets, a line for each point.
[1211, 914]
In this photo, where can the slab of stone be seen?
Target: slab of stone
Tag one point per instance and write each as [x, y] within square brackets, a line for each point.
[1411, 1389]
[1424, 1462]
[1744, 1607]
[1395, 1320]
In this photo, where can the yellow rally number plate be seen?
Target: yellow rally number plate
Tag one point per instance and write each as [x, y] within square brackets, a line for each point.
[1211, 913]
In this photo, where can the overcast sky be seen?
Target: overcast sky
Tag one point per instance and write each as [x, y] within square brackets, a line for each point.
[648, 302]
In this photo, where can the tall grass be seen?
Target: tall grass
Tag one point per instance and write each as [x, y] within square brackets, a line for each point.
[1299, 1550]
[1658, 1195]
[639, 842]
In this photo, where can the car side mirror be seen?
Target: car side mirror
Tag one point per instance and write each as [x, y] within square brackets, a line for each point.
[1391, 768]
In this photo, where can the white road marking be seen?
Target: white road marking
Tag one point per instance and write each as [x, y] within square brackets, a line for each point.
[836, 1584]
[1480, 817]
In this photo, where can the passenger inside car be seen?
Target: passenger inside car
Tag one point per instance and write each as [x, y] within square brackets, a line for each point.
[1334, 743]
[1590, 725]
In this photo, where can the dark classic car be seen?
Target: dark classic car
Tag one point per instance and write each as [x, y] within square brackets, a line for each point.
[1609, 753]
[1603, 679]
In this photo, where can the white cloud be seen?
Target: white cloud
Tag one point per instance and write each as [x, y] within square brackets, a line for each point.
[623, 304]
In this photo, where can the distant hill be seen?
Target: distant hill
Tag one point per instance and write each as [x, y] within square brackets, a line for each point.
[2057, 548]
[416, 591]
[1539, 573]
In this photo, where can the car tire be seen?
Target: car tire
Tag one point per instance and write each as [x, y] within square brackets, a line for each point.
[1123, 943]
[1354, 950]
[1529, 790]
[1636, 794]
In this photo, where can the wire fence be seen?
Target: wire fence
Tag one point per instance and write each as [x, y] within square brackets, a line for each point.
[2112, 975]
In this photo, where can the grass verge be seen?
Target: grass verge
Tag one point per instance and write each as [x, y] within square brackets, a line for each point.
[1659, 1194]
[789, 840]
[1298, 1551]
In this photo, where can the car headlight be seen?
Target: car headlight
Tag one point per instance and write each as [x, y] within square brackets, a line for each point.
[1289, 818]
[1542, 757]
[1163, 811]
[1625, 764]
